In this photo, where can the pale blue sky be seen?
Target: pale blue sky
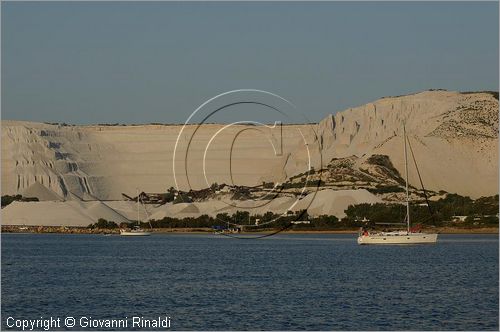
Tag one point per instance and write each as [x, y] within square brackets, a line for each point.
[156, 62]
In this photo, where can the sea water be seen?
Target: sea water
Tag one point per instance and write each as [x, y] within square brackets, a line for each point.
[283, 282]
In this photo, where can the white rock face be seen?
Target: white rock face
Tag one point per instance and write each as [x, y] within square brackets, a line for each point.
[54, 213]
[454, 137]
[105, 161]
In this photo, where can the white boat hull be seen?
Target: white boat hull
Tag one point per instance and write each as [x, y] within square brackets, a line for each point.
[398, 238]
[131, 233]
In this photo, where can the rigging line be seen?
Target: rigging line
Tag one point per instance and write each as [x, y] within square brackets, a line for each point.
[102, 202]
[421, 182]
[147, 214]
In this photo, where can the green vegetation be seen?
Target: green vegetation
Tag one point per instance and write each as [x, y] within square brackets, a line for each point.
[103, 224]
[326, 223]
[482, 211]
[304, 174]
[456, 205]
[168, 197]
[268, 185]
[62, 124]
[312, 183]
[268, 221]
[242, 194]
[7, 199]
[182, 198]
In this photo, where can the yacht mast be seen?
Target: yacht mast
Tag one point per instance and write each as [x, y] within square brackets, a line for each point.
[138, 198]
[407, 191]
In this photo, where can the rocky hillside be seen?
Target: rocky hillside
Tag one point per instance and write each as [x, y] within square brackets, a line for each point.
[454, 137]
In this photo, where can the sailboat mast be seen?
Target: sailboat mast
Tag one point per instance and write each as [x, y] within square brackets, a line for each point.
[138, 222]
[407, 191]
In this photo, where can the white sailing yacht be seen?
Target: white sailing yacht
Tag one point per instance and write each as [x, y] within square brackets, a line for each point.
[137, 230]
[399, 236]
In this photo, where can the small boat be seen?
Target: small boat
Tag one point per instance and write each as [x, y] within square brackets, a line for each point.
[396, 237]
[407, 236]
[225, 230]
[137, 230]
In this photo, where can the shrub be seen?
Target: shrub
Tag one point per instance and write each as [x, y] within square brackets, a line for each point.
[103, 224]
[7, 199]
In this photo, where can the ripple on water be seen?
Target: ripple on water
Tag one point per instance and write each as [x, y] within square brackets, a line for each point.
[287, 282]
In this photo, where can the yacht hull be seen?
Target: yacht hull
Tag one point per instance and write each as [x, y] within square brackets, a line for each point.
[126, 233]
[387, 239]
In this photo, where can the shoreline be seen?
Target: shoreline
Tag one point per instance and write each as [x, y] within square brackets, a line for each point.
[84, 230]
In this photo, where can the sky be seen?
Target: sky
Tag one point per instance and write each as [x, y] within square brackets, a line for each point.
[131, 62]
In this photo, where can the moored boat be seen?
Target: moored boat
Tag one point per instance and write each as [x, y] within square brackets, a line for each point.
[137, 230]
[408, 236]
[397, 237]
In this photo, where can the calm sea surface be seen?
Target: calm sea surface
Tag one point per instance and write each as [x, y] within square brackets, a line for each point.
[285, 282]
